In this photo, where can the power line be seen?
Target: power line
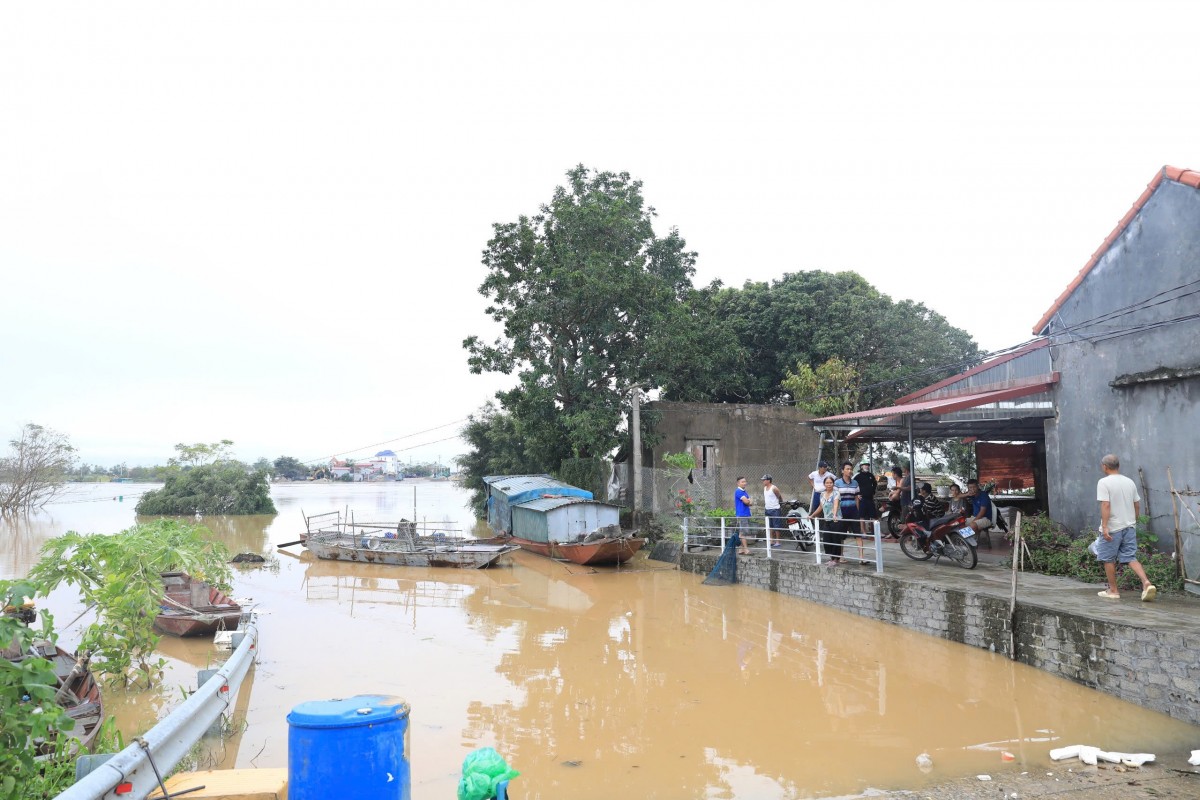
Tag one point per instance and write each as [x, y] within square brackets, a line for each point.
[389, 441]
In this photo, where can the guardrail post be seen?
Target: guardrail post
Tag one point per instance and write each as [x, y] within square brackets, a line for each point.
[685, 533]
[722, 534]
[878, 547]
[767, 538]
[819, 544]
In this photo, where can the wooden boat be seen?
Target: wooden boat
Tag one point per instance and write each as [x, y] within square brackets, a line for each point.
[77, 690]
[191, 607]
[558, 520]
[404, 550]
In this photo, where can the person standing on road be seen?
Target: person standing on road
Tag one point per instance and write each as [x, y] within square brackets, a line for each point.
[817, 479]
[773, 507]
[867, 484]
[741, 508]
[826, 507]
[849, 504]
[1120, 506]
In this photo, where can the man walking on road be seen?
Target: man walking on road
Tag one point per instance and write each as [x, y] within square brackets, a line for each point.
[1120, 505]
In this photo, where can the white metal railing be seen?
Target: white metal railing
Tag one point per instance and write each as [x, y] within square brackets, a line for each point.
[804, 541]
[134, 772]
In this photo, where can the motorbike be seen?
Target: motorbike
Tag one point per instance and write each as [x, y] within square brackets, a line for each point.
[800, 526]
[951, 539]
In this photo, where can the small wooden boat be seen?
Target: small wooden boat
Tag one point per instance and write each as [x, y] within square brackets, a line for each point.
[596, 552]
[191, 607]
[404, 550]
[76, 689]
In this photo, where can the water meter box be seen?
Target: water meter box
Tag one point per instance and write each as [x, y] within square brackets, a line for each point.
[352, 749]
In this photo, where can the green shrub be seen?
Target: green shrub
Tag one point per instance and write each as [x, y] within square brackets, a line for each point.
[1053, 550]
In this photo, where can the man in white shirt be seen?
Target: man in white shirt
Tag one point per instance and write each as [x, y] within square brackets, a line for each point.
[817, 479]
[1120, 505]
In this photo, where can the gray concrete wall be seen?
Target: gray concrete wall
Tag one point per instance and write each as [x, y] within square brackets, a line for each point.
[1150, 426]
[748, 439]
[1157, 669]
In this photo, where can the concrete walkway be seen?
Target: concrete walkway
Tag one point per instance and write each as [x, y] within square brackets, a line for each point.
[1175, 612]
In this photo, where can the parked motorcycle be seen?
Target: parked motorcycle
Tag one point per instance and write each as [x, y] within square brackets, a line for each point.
[952, 539]
[800, 526]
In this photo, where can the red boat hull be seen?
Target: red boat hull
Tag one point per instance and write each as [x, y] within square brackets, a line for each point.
[591, 554]
[193, 608]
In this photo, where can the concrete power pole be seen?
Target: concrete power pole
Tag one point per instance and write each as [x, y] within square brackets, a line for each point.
[636, 425]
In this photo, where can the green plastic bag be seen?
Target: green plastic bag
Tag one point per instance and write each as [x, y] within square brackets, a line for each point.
[482, 770]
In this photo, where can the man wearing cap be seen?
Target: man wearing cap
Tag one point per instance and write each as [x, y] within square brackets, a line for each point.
[773, 506]
[817, 479]
[867, 484]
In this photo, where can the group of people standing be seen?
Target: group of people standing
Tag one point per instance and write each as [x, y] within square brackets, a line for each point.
[847, 501]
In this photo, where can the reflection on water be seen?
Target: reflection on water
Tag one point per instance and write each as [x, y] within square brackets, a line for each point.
[640, 682]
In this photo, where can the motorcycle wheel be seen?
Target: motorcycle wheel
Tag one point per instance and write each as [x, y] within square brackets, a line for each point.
[893, 523]
[912, 548]
[805, 537]
[961, 553]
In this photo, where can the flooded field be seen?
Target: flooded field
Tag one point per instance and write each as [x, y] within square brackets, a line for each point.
[633, 683]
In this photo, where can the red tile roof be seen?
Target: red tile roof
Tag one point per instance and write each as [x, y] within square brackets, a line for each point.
[1176, 174]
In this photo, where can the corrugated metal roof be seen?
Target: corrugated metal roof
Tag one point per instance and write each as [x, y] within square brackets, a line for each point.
[551, 503]
[514, 486]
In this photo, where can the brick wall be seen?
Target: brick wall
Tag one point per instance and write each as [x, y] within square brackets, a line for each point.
[1154, 669]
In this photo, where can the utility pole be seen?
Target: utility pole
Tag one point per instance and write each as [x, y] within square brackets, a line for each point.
[636, 425]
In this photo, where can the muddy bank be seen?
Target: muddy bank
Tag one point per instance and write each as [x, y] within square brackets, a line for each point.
[1076, 782]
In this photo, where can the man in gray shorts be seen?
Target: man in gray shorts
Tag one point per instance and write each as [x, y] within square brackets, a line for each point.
[1120, 505]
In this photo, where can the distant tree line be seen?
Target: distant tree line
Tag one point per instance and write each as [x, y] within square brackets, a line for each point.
[592, 303]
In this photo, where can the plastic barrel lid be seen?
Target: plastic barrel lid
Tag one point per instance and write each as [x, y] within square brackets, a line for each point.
[363, 709]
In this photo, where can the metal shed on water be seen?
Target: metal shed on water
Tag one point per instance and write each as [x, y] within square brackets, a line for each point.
[561, 519]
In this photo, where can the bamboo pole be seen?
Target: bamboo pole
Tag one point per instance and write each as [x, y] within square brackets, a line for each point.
[1179, 571]
[1012, 603]
[1146, 495]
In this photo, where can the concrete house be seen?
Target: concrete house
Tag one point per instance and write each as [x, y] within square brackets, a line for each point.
[1125, 341]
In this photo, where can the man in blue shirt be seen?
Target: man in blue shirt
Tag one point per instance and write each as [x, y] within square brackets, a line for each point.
[981, 507]
[741, 507]
[849, 495]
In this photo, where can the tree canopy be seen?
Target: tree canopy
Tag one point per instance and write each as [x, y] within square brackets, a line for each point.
[807, 318]
[592, 303]
[224, 486]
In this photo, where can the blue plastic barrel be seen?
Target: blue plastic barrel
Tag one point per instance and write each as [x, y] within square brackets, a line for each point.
[352, 749]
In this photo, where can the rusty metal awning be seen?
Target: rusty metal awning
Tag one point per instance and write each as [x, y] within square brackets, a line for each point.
[1011, 412]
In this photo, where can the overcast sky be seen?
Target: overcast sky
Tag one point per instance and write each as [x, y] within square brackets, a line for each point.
[263, 221]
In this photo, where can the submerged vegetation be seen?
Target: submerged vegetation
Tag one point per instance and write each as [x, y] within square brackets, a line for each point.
[205, 479]
[119, 575]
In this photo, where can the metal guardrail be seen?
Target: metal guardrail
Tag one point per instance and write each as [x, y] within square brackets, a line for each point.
[713, 533]
[131, 772]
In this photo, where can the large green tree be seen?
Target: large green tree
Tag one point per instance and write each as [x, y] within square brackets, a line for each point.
[806, 318]
[592, 303]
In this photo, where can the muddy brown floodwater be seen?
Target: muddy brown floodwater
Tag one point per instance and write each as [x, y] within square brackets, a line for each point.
[638, 682]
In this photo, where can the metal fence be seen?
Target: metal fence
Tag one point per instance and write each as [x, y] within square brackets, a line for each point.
[802, 540]
[138, 770]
